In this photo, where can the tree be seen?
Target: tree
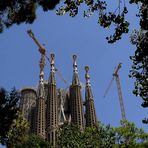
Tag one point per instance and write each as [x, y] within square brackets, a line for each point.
[18, 132]
[8, 111]
[107, 136]
[20, 11]
[125, 136]
[69, 136]
[98, 137]
[139, 69]
[24, 11]
[34, 141]
[105, 19]
[129, 136]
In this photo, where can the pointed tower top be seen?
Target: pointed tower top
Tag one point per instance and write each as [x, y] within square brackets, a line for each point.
[41, 93]
[75, 80]
[41, 79]
[52, 63]
[75, 67]
[42, 64]
[89, 102]
[52, 70]
[87, 77]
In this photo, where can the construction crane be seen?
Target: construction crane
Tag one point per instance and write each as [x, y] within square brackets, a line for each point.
[42, 50]
[116, 77]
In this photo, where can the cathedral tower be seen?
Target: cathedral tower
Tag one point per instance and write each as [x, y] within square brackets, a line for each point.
[77, 113]
[52, 109]
[28, 106]
[40, 106]
[89, 102]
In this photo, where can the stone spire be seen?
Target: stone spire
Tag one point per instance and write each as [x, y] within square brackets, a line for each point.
[77, 113]
[90, 115]
[40, 108]
[75, 80]
[52, 110]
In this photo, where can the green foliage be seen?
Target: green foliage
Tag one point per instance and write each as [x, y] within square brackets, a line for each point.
[34, 141]
[20, 11]
[48, 4]
[8, 112]
[107, 136]
[129, 136]
[13, 127]
[18, 132]
[91, 138]
[99, 137]
[125, 136]
[139, 69]
[105, 18]
[70, 136]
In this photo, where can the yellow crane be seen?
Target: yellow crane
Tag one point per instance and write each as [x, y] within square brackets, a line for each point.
[116, 77]
[42, 51]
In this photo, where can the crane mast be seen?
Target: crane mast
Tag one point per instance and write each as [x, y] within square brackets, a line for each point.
[116, 77]
[42, 52]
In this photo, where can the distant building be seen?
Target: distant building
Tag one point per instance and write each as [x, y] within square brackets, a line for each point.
[47, 107]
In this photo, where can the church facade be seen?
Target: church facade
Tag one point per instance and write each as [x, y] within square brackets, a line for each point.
[47, 108]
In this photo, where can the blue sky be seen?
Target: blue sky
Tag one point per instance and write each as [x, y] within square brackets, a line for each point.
[65, 36]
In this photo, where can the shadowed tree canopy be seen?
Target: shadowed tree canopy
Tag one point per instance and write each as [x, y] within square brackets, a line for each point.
[18, 132]
[70, 136]
[17, 11]
[20, 11]
[8, 111]
[127, 135]
[34, 141]
[139, 69]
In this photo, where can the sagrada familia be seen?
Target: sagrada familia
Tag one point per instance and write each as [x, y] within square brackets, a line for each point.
[47, 108]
